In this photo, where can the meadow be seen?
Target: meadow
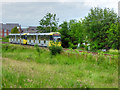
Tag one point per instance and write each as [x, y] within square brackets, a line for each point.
[23, 67]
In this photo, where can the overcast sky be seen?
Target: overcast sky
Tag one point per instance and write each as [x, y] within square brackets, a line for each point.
[30, 13]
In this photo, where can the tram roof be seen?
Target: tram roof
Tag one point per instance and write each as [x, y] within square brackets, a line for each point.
[51, 33]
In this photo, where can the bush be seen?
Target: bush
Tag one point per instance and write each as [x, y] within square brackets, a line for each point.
[71, 45]
[86, 47]
[5, 39]
[54, 49]
[37, 49]
[82, 45]
[6, 47]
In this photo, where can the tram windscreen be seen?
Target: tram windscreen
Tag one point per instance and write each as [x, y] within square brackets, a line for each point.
[57, 37]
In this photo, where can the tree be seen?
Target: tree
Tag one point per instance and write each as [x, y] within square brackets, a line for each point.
[113, 36]
[76, 33]
[48, 23]
[72, 33]
[15, 30]
[65, 37]
[97, 23]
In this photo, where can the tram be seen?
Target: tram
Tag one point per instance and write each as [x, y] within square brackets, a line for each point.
[41, 39]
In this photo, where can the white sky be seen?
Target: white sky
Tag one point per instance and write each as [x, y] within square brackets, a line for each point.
[29, 12]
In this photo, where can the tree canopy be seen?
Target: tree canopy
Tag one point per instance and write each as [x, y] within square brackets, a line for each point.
[15, 30]
[49, 23]
[97, 23]
[99, 29]
[65, 37]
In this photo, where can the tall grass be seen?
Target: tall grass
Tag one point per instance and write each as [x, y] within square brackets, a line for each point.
[63, 70]
[5, 39]
[25, 53]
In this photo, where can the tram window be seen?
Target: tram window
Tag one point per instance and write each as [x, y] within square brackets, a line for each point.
[44, 41]
[39, 41]
[58, 39]
[27, 37]
[13, 36]
[31, 36]
[22, 36]
[34, 37]
[44, 37]
[16, 36]
[47, 37]
[39, 37]
[51, 37]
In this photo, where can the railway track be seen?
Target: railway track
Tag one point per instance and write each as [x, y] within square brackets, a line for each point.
[93, 53]
[65, 49]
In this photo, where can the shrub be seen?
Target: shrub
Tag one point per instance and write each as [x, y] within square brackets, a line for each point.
[6, 47]
[5, 39]
[37, 49]
[72, 45]
[82, 45]
[54, 49]
[86, 47]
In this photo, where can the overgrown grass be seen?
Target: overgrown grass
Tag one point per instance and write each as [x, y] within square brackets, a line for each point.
[23, 67]
[5, 39]
[110, 51]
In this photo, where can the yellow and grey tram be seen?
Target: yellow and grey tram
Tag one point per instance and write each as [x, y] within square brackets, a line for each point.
[42, 39]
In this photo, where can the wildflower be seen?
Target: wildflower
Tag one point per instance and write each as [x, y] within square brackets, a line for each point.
[80, 85]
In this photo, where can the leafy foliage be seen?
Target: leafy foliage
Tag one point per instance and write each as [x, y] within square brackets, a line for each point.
[38, 49]
[99, 30]
[48, 23]
[55, 49]
[15, 30]
[72, 33]
[97, 23]
[65, 36]
[113, 36]
[5, 39]
[76, 33]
